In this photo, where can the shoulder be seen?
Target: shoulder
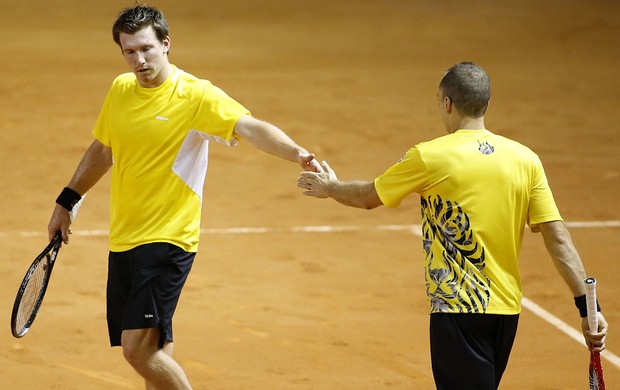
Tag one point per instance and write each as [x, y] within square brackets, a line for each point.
[517, 147]
[475, 141]
[124, 80]
[439, 144]
[191, 86]
[188, 79]
[122, 84]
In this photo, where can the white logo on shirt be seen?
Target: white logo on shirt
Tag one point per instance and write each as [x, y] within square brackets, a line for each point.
[485, 148]
[148, 316]
[161, 118]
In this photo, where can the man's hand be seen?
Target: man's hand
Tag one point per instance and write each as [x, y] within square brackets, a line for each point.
[309, 163]
[60, 220]
[595, 340]
[317, 183]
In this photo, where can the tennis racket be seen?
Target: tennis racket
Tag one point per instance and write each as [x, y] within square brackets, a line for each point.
[32, 290]
[596, 369]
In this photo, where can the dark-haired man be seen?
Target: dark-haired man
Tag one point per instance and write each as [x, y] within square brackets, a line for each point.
[153, 131]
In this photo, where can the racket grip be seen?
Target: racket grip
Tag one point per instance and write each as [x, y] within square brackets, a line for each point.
[591, 304]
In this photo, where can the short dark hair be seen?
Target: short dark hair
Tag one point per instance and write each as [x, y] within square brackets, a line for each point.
[134, 19]
[469, 88]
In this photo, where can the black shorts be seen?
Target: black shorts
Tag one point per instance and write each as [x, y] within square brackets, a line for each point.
[144, 286]
[470, 351]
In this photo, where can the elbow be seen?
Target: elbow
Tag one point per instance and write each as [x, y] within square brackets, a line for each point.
[373, 200]
[371, 204]
[358, 203]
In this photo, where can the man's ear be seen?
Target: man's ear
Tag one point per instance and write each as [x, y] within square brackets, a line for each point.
[166, 43]
[447, 104]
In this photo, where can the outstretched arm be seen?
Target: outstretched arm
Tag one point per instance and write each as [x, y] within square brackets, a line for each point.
[568, 263]
[270, 139]
[94, 164]
[357, 193]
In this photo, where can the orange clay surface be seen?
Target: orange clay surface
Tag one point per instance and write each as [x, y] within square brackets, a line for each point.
[276, 307]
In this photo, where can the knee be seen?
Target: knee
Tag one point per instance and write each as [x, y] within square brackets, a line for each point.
[139, 345]
[135, 356]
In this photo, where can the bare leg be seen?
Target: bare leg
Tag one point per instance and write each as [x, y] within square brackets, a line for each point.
[155, 365]
[168, 347]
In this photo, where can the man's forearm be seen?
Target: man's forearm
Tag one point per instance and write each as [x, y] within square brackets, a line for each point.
[565, 256]
[94, 164]
[358, 193]
[269, 138]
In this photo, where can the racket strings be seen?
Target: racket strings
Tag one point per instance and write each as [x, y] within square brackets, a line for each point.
[31, 295]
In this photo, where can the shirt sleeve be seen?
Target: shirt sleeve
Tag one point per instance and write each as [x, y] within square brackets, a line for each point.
[217, 113]
[101, 131]
[403, 178]
[542, 206]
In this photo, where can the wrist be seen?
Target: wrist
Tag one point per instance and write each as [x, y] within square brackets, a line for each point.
[582, 305]
[68, 198]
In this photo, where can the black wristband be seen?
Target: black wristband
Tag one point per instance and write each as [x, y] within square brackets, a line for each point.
[582, 305]
[68, 198]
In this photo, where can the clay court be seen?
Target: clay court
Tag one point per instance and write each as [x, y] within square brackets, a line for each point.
[290, 292]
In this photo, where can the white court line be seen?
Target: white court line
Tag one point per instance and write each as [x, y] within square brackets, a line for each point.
[102, 376]
[414, 229]
[592, 224]
[565, 328]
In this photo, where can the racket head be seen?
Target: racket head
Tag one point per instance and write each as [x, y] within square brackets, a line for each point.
[32, 289]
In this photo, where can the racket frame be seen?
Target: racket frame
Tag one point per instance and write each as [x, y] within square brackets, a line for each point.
[48, 255]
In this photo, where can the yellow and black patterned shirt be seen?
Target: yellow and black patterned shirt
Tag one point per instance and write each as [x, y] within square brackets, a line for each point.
[477, 191]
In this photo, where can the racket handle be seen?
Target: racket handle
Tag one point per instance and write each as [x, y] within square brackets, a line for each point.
[591, 304]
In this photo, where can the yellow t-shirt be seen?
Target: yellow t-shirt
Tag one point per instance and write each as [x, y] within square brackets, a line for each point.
[477, 192]
[159, 139]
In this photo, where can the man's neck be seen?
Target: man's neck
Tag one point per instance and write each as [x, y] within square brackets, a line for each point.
[467, 123]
